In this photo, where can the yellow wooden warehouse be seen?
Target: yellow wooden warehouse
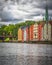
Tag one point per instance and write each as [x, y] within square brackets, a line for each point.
[19, 34]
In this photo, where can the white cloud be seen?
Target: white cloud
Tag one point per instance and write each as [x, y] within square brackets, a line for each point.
[17, 11]
[38, 18]
[24, 10]
[5, 23]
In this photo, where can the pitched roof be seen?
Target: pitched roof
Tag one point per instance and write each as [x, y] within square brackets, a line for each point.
[24, 27]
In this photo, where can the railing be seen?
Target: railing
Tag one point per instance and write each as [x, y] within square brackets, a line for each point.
[4, 37]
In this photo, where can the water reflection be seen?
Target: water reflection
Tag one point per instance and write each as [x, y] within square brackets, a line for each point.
[25, 54]
[25, 60]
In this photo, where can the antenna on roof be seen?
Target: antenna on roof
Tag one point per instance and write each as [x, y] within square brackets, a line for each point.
[46, 12]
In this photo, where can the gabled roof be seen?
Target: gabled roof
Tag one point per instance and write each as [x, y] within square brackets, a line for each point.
[24, 27]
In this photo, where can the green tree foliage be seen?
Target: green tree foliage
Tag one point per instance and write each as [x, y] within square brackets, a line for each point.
[29, 22]
[13, 29]
[9, 29]
[2, 29]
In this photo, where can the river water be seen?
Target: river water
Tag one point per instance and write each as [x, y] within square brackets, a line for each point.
[25, 54]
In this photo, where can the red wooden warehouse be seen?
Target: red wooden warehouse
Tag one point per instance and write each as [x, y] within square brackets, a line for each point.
[31, 33]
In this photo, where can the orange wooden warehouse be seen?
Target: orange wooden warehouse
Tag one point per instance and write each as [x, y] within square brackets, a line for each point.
[31, 33]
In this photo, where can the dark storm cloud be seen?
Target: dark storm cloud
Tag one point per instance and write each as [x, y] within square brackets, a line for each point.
[43, 5]
[26, 9]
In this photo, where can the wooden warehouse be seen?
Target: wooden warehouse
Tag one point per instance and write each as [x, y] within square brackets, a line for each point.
[36, 32]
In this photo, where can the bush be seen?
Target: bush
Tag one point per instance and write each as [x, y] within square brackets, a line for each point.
[7, 39]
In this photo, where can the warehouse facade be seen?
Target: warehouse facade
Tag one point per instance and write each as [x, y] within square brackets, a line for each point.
[36, 32]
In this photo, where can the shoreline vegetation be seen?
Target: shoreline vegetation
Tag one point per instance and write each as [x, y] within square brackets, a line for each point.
[11, 30]
[8, 33]
[29, 42]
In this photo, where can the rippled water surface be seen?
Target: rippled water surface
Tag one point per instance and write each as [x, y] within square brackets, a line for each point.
[25, 54]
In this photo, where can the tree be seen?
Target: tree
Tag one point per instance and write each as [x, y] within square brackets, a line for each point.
[2, 29]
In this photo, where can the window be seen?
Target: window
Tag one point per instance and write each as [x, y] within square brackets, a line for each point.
[35, 35]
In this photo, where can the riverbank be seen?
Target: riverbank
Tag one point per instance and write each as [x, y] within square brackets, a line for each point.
[29, 42]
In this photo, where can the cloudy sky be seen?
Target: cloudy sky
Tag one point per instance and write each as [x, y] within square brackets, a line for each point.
[14, 11]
